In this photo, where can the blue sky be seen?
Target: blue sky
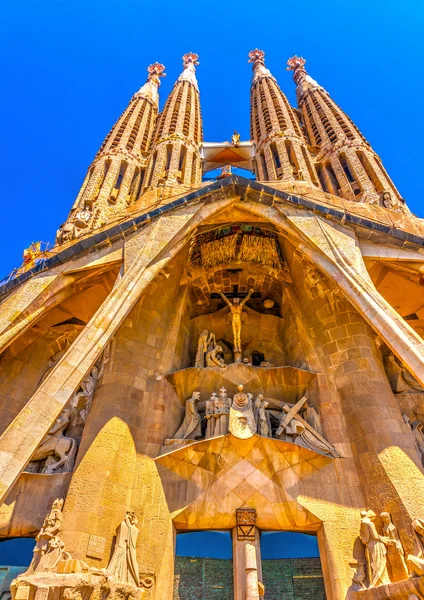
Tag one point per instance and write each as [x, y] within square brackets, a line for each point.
[69, 67]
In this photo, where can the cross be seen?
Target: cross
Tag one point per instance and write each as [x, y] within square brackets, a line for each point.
[235, 294]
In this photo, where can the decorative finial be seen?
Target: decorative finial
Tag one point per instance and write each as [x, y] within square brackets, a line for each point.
[296, 64]
[256, 56]
[155, 71]
[191, 58]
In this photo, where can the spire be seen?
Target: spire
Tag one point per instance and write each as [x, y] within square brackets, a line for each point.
[258, 67]
[190, 61]
[346, 164]
[115, 178]
[149, 90]
[300, 76]
[281, 150]
[175, 159]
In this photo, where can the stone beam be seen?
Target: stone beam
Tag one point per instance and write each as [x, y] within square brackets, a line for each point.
[389, 253]
[25, 433]
[335, 251]
[22, 308]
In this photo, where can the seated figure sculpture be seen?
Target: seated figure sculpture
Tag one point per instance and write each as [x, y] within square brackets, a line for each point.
[213, 358]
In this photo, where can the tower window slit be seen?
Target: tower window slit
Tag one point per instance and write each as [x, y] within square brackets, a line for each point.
[276, 157]
[349, 174]
[152, 170]
[264, 167]
[311, 170]
[378, 186]
[334, 183]
[182, 162]
[321, 178]
[168, 156]
[121, 174]
[292, 158]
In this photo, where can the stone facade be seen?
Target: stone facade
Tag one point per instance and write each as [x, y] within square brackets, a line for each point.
[234, 355]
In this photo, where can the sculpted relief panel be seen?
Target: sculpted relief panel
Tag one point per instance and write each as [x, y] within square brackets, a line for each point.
[57, 451]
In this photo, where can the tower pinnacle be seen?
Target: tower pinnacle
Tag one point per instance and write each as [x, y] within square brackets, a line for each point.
[256, 57]
[149, 90]
[345, 162]
[190, 60]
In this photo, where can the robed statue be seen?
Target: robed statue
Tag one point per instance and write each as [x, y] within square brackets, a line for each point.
[123, 564]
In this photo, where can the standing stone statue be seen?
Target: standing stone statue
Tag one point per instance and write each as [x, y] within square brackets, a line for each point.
[236, 308]
[395, 552]
[242, 421]
[222, 416]
[123, 565]
[376, 552]
[206, 342]
[210, 415]
[415, 561]
[262, 418]
[191, 426]
[49, 548]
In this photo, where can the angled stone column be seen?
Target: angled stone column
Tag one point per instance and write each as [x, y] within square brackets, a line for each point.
[22, 437]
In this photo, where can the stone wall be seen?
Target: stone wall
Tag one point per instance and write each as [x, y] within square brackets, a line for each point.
[212, 579]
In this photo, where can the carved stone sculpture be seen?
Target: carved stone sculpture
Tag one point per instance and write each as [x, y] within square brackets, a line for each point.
[395, 552]
[123, 565]
[236, 308]
[242, 421]
[262, 418]
[202, 348]
[57, 449]
[375, 550]
[213, 359]
[415, 561]
[210, 415]
[191, 426]
[49, 548]
[401, 380]
[55, 443]
[417, 432]
[295, 429]
[312, 417]
[222, 414]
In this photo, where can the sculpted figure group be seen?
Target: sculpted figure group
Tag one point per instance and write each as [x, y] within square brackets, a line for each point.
[385, 556]
[50, 551]
[58, 448]
[297, 423]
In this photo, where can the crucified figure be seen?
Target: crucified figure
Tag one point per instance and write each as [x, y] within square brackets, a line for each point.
[236, 308]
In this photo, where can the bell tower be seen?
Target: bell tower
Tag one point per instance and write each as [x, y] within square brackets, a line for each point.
[281, 151]
[175, 160]
[114, 180]
[347, 166]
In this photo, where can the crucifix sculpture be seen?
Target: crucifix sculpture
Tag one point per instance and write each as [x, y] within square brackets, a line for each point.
[236, 308]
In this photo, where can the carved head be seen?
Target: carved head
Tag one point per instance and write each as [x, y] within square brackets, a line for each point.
[236, 300]
[57, 504]
[386, 517]
[196, 396]
[240, 387]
